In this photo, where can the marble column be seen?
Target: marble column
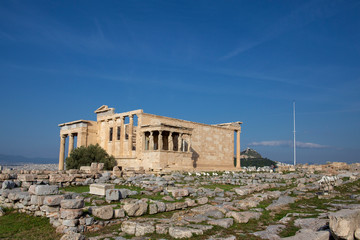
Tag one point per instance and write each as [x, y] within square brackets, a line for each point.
[130, 143]
[151, 141]
[160, 141]
[122, 135]
[62, 152]
[114, 136]
[189, 144]
[238, 149]
[170, 142]
[71, 143]
[144, 143]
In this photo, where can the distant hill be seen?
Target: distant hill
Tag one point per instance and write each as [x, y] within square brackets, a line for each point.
[251, 158]
[250, 153]
[17, 160]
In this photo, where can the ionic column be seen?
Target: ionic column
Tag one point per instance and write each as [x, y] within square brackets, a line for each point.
[238, 149]
[160, 141]
[151, 141]
[114, 136]
[179, 142]
[131, 123]
[189, 144]
[71, 143]
[122, 135]
[62, 152]
[170, 141]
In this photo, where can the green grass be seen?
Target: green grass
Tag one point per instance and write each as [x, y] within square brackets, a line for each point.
[132, 188]
[14, 225]
[76, 189]
[225, 187]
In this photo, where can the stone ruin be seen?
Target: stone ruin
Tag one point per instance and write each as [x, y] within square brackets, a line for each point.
[109, 202]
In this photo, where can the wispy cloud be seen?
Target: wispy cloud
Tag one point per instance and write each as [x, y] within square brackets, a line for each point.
[284, 143]
[308, 13]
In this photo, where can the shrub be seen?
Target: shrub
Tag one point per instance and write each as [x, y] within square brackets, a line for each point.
[84, 156]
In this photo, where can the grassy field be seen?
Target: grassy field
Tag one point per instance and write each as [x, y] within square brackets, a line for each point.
[14, 225]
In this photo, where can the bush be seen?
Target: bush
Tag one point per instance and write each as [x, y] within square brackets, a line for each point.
[84, 156]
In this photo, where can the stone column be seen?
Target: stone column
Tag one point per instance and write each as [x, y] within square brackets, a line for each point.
[122, 135]
[179, 142]
[71, 143]
[238, 149]
[143, 141]
[160, 141]
[62, 152]
[131, 123]
[189, 144]
[114, 137]
[151, 147]
[170, 142]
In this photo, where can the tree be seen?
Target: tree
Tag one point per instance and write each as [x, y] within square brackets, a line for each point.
[84, 156]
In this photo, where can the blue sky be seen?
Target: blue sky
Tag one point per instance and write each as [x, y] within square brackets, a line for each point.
[204, 61]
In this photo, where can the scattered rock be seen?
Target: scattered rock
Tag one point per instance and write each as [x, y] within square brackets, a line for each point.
[225, 222]
[103, 212]
[344, 223]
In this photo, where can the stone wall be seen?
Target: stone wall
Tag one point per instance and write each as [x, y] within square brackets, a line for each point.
[212, 146]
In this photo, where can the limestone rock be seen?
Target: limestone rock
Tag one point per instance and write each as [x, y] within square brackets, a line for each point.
[53, 200]
[202, 200]
[42, 190]
[180, 193]
[103, 212]
[144, 228]
[70, 213]
[100, 189]
[357, 234]
[70, 222]
[72, 203]
[112, 195]
[128, 227]
[344, 223]
[225, 222]
[311, 223]
[161, 207]
[8, 184]
[136, 209]
[72, 236]
[152, 208]
[243, 217]
[214, 214]
[162, 228]
[119, 213]
[26, 177]
[280, 203]
[180, 232]
[307, 234]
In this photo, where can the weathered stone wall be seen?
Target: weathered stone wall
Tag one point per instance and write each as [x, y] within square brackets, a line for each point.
[212, 146]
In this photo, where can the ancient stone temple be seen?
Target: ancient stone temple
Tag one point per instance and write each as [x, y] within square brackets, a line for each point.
[141, 140]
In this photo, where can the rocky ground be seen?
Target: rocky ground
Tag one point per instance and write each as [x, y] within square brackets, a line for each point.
[210, 205]
[51, 167]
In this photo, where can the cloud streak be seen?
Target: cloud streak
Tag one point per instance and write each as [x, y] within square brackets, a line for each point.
[284, 143]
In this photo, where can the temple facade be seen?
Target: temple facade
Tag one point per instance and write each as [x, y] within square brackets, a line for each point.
[154, 143]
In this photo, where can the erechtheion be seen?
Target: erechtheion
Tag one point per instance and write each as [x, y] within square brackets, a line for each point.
[141, 140]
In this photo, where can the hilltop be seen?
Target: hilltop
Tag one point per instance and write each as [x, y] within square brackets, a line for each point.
[250, 157]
